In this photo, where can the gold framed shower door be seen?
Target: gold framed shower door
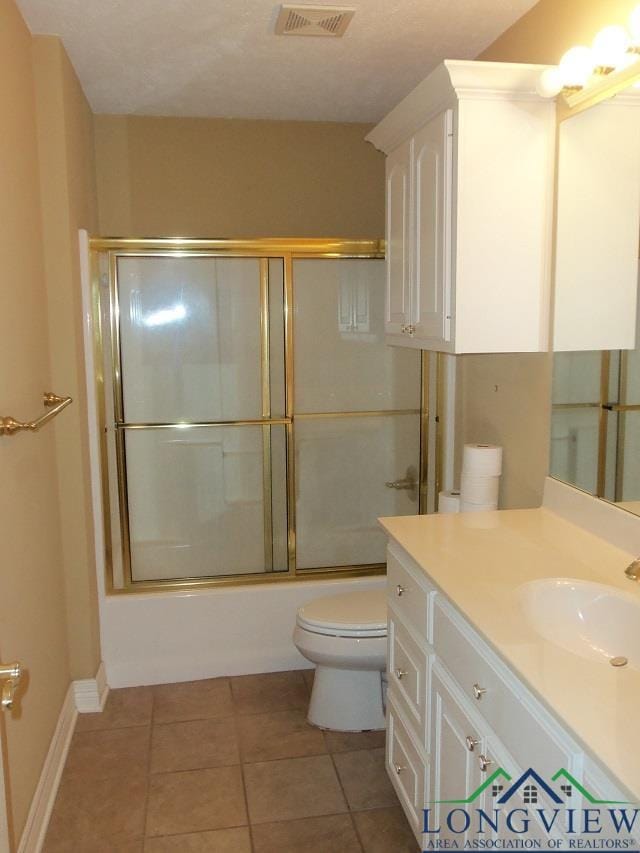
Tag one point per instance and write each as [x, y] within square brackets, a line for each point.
[288, 250]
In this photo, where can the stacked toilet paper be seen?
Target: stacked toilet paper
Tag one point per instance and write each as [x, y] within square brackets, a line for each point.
[449, 502]
[481, 469]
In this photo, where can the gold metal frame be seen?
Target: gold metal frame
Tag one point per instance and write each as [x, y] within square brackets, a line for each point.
[605, 407]
[263, 250]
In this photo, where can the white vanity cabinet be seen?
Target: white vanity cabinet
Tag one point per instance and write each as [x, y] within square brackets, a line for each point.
[469, 194]
[456, 713]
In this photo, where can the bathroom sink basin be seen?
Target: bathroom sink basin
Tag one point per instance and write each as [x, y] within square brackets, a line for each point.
[592, 620]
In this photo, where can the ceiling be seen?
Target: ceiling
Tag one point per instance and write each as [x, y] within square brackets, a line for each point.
[221, 58]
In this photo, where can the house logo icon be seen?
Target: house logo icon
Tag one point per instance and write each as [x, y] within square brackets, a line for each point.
[565, 788]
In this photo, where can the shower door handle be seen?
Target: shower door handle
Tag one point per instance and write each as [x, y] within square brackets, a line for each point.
[408, 483]
[401, 485]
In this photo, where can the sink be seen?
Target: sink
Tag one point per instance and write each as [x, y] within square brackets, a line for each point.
[593, 620]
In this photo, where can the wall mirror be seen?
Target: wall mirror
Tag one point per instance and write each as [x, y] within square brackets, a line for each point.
[595, 426]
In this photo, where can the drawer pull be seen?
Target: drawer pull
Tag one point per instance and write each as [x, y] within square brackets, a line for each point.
[484, 762]
[478, 691]
[471, 743]
[400, 674]
[400, 590]
[398, 768]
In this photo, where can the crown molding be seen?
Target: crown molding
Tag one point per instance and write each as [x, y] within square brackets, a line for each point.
[449, 83]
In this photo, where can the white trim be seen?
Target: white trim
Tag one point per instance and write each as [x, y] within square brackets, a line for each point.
[91, 693]
[450, 82]
[45, 794]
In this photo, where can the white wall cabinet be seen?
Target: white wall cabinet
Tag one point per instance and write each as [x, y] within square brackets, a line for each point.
[469, 195]
[456, 714]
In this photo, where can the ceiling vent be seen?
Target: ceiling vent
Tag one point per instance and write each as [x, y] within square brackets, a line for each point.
[313, 20]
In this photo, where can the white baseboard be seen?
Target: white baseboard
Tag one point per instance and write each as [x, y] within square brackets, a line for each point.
[45, 794]
[91, 693]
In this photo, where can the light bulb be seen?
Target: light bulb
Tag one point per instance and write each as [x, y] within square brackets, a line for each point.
[576, 67]
[634, 26]
[549, 83]
[609, 48]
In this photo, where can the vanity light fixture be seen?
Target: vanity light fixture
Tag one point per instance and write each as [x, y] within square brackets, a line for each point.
[610, 64]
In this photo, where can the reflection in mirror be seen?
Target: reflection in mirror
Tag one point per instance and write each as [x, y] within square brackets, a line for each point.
[595, 422]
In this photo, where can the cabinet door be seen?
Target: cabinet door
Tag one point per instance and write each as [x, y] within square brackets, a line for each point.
[431, 230]
[455, 769]
[398, 303]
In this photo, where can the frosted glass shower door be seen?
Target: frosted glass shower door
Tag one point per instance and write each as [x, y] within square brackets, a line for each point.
[199, 415]
[356, 415]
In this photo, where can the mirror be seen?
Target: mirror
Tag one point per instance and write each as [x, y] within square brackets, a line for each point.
[595, 421]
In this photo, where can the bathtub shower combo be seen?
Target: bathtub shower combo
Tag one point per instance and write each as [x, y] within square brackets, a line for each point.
[254, 422]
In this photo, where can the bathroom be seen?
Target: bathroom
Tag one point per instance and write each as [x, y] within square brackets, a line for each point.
[163, 707]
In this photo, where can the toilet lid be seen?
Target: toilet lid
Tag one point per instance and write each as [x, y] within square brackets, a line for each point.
[352, 614]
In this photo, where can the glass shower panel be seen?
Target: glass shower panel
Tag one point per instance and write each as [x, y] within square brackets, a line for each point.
[575, 418]
[191, 344]
[341, 361]
[344, 470]
[629, 464]
[574, 447]
[200, 502]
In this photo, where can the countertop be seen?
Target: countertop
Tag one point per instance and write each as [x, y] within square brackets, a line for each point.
[480, 561]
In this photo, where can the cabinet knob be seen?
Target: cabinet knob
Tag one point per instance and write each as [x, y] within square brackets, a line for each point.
[403, 329]
[398, 768]
[484, 762]
[471, 743]
[400, 674]
[478, 691]
[400, 590]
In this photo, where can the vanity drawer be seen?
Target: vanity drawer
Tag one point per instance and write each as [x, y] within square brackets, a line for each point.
[408, 675]
[521, 723]
[406, 767]
[410, 595]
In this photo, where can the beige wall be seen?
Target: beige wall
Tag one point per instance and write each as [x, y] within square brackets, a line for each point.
[517, 414]
[48, 617]
[32, 603]
[227, 178]
[65, 134]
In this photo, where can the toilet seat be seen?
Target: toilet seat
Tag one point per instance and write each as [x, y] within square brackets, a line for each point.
[351, 614]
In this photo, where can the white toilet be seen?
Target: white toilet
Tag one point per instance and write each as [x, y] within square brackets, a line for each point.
[346, 637]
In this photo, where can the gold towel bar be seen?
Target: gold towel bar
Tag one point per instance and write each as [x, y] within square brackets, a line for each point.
[55, 405]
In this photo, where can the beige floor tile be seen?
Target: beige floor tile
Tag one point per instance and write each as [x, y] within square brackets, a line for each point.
[98, 846]
[333, 834]
[219, 841]
[280, 734]
[192, 700]
[195, 800]
[273, 691]
[385, 831]
[351, 741]
[364, 779]
[98, 815]
[127, 706]
[111, 753]
[308, 675]
[292, 788]
[193, 745]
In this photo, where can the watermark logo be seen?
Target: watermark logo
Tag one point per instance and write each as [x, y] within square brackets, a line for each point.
[531, 813]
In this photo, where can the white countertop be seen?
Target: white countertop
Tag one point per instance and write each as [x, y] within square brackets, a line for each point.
[480, 561]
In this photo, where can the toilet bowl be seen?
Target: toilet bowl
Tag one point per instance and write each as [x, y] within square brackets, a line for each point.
[346, 637]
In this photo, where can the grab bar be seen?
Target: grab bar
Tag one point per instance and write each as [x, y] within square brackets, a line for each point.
[55, 404]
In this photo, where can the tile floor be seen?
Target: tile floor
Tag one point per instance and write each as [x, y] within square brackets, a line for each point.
[227, 765]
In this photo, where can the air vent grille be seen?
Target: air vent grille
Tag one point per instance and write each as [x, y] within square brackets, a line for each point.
[329, 21]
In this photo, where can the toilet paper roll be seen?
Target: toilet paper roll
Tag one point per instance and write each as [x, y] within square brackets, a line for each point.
[448, 502]
[475, 489]
[467, 507]
[482, 459]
